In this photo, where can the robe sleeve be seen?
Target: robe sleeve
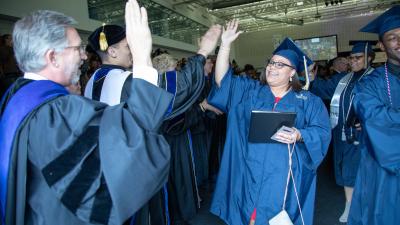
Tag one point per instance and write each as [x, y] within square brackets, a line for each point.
[190, 83]
[380, 121]
[325, 88]
[317, 132]
[232, 91]
[102, 162]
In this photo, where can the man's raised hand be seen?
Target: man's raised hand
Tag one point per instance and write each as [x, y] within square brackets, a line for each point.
[138, 33]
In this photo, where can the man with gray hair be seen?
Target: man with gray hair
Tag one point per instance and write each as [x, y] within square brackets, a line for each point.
[69, 160]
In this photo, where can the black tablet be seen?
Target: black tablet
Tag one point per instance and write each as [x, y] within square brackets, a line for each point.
[264, 124]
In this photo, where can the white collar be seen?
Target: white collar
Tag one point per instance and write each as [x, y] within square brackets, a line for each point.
[34, 76]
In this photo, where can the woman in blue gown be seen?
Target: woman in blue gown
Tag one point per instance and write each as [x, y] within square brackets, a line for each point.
[252, 179]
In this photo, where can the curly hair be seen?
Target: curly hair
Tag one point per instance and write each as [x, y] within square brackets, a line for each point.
[164, 63]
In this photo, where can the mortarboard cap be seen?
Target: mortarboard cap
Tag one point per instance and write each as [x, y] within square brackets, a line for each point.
[105, 36]
[289, 50]
[299, 60]
[362, 46]
[344, 54]
[385, 22]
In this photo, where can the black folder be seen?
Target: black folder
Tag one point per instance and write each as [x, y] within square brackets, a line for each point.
[264, 124]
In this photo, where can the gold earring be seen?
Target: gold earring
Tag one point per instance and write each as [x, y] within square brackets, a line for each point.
[290, 79]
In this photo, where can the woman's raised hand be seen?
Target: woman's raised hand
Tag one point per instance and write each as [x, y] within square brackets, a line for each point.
[230, 33]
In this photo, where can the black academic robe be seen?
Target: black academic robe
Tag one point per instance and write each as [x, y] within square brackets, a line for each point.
[86, 162]
[205, 134]
[182, 192]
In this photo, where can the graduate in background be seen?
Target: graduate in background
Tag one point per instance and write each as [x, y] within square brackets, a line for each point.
[69, 160]
[376, 198]
[253, 176]
[110, 44]
[345, 124]
[111, 82]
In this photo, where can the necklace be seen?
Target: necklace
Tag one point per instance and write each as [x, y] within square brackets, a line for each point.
[388, 84]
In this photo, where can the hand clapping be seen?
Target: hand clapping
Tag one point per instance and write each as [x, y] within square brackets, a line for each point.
[209, 40]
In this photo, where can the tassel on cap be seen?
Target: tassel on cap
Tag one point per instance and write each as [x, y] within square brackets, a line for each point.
[103, 40]
[366, 56]
[307, 85]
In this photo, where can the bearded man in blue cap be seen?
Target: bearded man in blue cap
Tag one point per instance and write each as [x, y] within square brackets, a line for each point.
[253, 185]
[376, 198]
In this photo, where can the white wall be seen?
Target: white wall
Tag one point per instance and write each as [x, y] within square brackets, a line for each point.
[76, 8]
[256, 47]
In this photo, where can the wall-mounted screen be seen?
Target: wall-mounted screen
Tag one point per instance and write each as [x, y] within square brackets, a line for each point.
[319, 48]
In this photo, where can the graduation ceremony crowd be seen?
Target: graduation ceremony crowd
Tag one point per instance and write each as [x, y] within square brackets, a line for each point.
[114, 133]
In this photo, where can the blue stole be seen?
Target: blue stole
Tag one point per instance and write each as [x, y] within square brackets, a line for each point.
[171, 87]
[26, 99]
[100, 73]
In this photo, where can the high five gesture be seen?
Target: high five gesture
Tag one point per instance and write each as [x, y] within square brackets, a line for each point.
[229, 34]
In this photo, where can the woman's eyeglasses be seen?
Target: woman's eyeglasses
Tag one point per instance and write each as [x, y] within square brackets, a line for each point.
[278, 65]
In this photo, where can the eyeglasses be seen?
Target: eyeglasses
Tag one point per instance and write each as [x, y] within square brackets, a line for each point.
[356, 57]
[278, 65]
[81, 48]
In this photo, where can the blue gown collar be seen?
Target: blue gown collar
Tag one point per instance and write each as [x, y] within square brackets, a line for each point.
[264, 100]
[104, 69]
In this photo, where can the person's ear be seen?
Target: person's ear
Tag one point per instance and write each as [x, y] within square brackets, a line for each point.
[381, 46]
[111, 52]
[51, 58]
[293, 73]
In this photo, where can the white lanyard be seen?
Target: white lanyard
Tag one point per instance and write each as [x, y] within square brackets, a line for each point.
[290, 175]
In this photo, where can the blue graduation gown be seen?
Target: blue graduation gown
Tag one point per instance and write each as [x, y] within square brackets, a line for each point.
[376, 198]
[254, 175]
[346, 155]
[326, 88]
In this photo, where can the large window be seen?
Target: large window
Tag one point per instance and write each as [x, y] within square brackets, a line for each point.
[163, 21]
[319, 48]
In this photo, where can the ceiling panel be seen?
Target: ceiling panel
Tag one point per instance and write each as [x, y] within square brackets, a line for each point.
[260, 15]
[254, 15]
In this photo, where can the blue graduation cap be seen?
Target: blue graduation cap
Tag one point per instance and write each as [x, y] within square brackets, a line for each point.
[387, 21]
[289, 50]
[299, 60]
[362, 46]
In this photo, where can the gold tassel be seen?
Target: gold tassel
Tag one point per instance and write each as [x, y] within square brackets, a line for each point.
[103, 40]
